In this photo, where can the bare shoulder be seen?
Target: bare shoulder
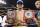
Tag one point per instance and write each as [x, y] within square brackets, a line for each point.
[16, 10]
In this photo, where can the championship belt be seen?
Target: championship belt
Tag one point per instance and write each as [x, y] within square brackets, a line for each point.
[18, 22]
[11, 21]
[11, 14]
[29, 16]
[11, 17]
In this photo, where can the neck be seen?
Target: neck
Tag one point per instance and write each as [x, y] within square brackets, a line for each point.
[20, 9]
[38, 8]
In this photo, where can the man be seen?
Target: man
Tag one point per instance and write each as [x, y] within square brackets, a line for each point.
[37, 13]
[20, 12]
[0, 21]
[3, 21]
[37, 4]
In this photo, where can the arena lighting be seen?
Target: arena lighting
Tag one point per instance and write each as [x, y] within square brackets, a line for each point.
[2, 2]
[19, 0]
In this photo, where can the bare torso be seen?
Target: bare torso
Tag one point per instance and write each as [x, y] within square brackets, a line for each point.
[20, 15]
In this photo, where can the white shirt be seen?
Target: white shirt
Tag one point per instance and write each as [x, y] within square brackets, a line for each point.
[4, 18]
[3, 21]
[0, 19]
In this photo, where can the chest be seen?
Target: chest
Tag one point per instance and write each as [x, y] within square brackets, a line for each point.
[20, 13]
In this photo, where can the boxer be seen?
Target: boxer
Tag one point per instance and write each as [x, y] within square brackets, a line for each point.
[20, 13]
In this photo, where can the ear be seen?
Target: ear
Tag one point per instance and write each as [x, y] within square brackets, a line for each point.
[22, 5]
[17, 5]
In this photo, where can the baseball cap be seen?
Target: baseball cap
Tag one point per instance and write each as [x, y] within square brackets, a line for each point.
[19, 2]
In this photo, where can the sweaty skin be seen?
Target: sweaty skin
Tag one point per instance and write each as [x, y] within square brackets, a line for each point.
[20, 14]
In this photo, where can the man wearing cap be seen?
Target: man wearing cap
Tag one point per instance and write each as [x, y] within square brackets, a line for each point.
[20, 12]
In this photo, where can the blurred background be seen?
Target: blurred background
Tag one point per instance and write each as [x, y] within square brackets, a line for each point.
[27, 3]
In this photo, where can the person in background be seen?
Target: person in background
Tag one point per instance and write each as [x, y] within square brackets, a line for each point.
[0, 21]
[3, 21]
[37, 13]
[37, 4]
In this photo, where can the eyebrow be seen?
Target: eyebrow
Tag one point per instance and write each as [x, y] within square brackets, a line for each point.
[37, 3]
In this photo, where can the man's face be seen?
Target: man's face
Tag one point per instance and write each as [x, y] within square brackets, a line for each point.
[19, 5]
[38, 5]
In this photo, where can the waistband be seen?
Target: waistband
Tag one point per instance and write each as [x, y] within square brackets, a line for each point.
[21, 22]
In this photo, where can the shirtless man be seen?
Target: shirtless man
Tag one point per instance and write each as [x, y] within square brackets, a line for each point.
[20, 11]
